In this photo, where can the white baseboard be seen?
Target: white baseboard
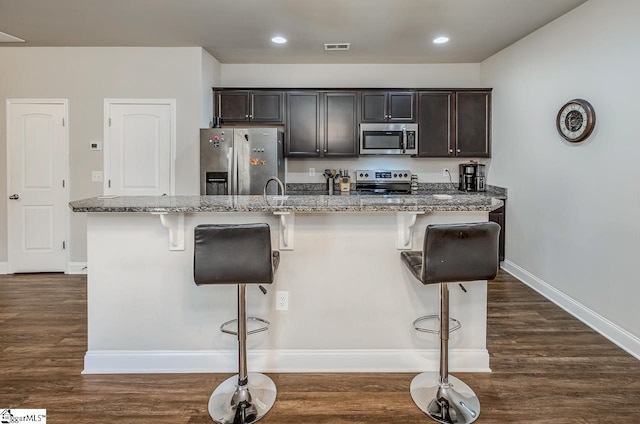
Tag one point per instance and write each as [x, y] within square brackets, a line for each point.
[608, 329]
[4, 267]
[277, 361]
[77, 268]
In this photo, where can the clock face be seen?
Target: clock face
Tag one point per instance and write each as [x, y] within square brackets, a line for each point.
[576, 120]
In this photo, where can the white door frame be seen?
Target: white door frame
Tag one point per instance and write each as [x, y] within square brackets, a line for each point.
[107, 142]
[67, 217]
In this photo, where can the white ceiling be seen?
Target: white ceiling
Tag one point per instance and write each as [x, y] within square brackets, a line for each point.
[239, 31]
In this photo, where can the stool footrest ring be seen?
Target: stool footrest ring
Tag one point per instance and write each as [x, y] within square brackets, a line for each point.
[455, 324]
[263, 327]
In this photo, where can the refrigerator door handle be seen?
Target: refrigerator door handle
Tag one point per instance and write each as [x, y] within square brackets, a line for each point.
[230, 171]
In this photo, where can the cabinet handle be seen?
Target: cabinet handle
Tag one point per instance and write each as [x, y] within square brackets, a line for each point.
[458, 150]
[325, 150]
[317, 150]
[250, 116]
[450, 150]
[246, 116]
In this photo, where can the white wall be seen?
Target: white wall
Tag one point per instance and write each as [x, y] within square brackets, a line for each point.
[86, 76]
[464, 75]
[210, 79]
[572, 214]
[351, 75]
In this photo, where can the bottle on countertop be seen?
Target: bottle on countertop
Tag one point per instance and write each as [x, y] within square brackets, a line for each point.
[414, 184]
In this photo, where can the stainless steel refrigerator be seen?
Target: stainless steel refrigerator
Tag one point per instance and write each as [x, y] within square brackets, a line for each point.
[240, 160]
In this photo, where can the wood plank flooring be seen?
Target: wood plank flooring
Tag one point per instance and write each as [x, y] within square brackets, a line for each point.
[547, 368]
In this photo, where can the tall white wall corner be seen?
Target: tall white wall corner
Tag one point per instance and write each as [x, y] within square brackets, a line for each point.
[617, 335]
[4, 268]
[77, 268]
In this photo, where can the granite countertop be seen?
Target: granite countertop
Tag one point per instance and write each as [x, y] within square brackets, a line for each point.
[293, 202]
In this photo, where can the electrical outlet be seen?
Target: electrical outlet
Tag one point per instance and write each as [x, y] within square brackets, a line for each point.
[282, 301]
[96, 176]
[445, 172]
[312, 172]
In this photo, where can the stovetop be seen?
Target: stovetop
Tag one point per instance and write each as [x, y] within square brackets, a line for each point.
[383, 181]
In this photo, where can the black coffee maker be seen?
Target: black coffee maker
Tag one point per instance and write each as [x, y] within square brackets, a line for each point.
[472, 177]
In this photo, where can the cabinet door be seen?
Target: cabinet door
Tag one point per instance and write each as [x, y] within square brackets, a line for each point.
[374, 106]
[266, 106]
[473, 124]
[303, 124]
[401, 106]
[233, 106]
[340, 124]
[435, 124]
[497, 216]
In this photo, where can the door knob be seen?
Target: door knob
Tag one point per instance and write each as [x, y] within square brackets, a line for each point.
[14, 197]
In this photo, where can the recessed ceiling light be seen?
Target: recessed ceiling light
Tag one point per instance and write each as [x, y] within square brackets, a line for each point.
[279, 40]
[440, 40]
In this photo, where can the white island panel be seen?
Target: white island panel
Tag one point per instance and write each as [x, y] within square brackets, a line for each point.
[351, 301]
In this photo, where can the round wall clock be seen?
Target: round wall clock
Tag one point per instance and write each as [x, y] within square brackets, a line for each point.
[576, 120]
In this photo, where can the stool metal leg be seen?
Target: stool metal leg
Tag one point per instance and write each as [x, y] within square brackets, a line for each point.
[443, 397]
[246, 397]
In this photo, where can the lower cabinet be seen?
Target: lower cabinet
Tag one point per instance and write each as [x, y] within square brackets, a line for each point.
[498, 216]
[322, 124]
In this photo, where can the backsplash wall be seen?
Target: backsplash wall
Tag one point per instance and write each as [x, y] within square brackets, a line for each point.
[428, 170]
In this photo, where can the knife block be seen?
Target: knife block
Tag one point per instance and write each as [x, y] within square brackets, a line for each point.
[345, 184]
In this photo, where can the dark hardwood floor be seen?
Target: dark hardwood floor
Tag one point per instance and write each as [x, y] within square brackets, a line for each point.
[547, 368]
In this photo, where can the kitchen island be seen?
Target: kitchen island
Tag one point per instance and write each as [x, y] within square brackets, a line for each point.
[351, 302]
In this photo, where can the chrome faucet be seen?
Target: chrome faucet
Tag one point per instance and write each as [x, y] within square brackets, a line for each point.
[280, 185]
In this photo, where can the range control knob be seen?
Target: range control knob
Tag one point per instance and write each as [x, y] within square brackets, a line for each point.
[395, 175]
[366, 175]
[406, 175]
[361, 174]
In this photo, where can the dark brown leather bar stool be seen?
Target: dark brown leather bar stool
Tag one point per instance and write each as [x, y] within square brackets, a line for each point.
[237, 254]
[451, 253]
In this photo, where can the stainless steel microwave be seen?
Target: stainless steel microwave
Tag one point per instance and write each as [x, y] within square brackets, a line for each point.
[388, 139]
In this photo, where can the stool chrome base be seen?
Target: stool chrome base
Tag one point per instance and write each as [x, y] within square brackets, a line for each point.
[450, 403]
[231, 403]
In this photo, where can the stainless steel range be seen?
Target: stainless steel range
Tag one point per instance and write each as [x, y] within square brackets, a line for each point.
[383, 181]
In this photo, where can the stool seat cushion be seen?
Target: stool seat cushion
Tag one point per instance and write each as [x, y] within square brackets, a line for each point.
[234, 254]
[413, 260]
[456, 252]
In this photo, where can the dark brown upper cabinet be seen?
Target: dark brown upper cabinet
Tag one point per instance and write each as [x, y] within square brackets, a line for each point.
[473, 124]
[435, 124]
[340, 124]
[303, 124]
[322, 124]
[454, 124]
[388, 106]
[250, 106]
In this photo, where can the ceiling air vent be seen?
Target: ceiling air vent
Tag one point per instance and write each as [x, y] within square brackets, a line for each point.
[332, 47]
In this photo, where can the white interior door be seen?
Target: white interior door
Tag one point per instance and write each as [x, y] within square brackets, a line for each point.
[37, 152]
[138, 147]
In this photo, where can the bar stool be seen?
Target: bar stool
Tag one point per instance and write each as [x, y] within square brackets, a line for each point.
[451, 253]
[237, 254]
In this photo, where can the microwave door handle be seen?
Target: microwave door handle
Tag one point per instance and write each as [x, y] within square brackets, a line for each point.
[404, 140]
